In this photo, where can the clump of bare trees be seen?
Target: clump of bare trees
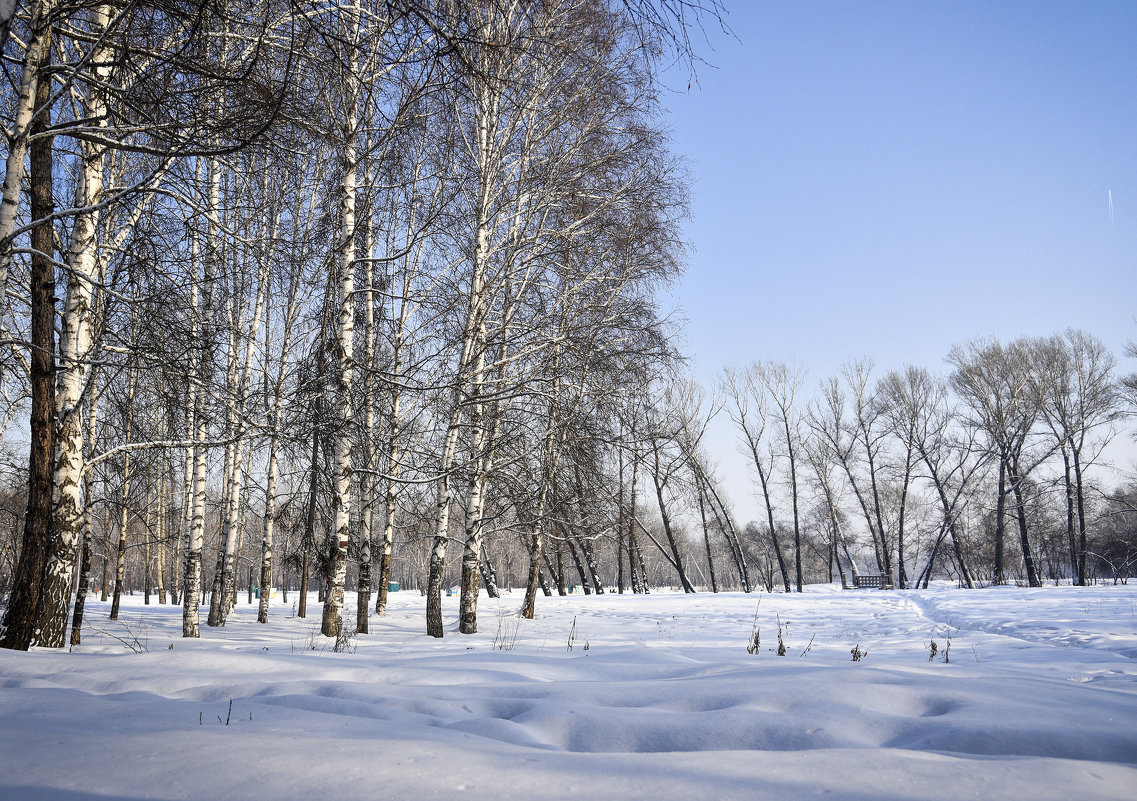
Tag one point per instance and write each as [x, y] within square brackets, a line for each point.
[916, 475]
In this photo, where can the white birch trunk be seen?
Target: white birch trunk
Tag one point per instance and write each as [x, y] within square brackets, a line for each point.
[120, 569]
[88, 532]
[15, 166]
[195, 533]
[367, 484]
[268, 531]
[332, 621]
[472, 354]
[231, 496]
[394, 458]
[554, 438]
[237, 477]
[394, 422]
[186, 517]
[441, 527]
[470, 351]
[160, 538]
[485, 435]
[472, 545]
[269, 524]
[273, 468]
[71, 376]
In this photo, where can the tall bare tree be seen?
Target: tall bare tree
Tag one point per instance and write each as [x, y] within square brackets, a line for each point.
[994, 381]
[1074, 375]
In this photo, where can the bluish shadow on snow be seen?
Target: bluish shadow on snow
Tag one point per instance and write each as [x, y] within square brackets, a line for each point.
[22, 792]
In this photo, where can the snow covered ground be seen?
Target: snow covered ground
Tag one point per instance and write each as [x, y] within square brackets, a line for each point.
[658, 698]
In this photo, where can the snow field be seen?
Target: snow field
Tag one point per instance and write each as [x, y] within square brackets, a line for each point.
[657, 698]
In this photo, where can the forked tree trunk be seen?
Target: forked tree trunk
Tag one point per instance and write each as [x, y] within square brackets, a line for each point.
[437, 563]
[472, 546]
[483, 446]
[1071, 540]
[585, 585]
[558, 570]
[593, 568]
[489, 577]
[1024, 540]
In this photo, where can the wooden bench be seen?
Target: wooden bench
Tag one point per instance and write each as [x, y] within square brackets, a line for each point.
[875, 582]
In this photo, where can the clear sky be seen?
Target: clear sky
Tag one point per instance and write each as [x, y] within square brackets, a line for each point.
[889, 179]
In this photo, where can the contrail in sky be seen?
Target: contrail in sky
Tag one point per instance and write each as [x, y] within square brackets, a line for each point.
[1110, 194]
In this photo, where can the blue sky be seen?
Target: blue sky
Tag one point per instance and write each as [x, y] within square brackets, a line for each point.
[890, 179]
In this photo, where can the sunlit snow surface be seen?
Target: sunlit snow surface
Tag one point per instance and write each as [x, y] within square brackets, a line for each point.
[657, 699]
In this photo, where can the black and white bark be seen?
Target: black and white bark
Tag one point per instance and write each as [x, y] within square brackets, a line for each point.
[21, 616]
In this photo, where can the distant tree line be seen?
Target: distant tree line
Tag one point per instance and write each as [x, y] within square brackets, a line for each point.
[990, 473]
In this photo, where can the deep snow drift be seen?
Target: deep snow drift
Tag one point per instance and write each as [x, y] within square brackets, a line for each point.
[658, 698]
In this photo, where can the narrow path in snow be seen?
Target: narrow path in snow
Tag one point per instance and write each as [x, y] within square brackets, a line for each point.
[1044, 617]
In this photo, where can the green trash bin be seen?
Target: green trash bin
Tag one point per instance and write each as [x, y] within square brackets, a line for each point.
[392, 586]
